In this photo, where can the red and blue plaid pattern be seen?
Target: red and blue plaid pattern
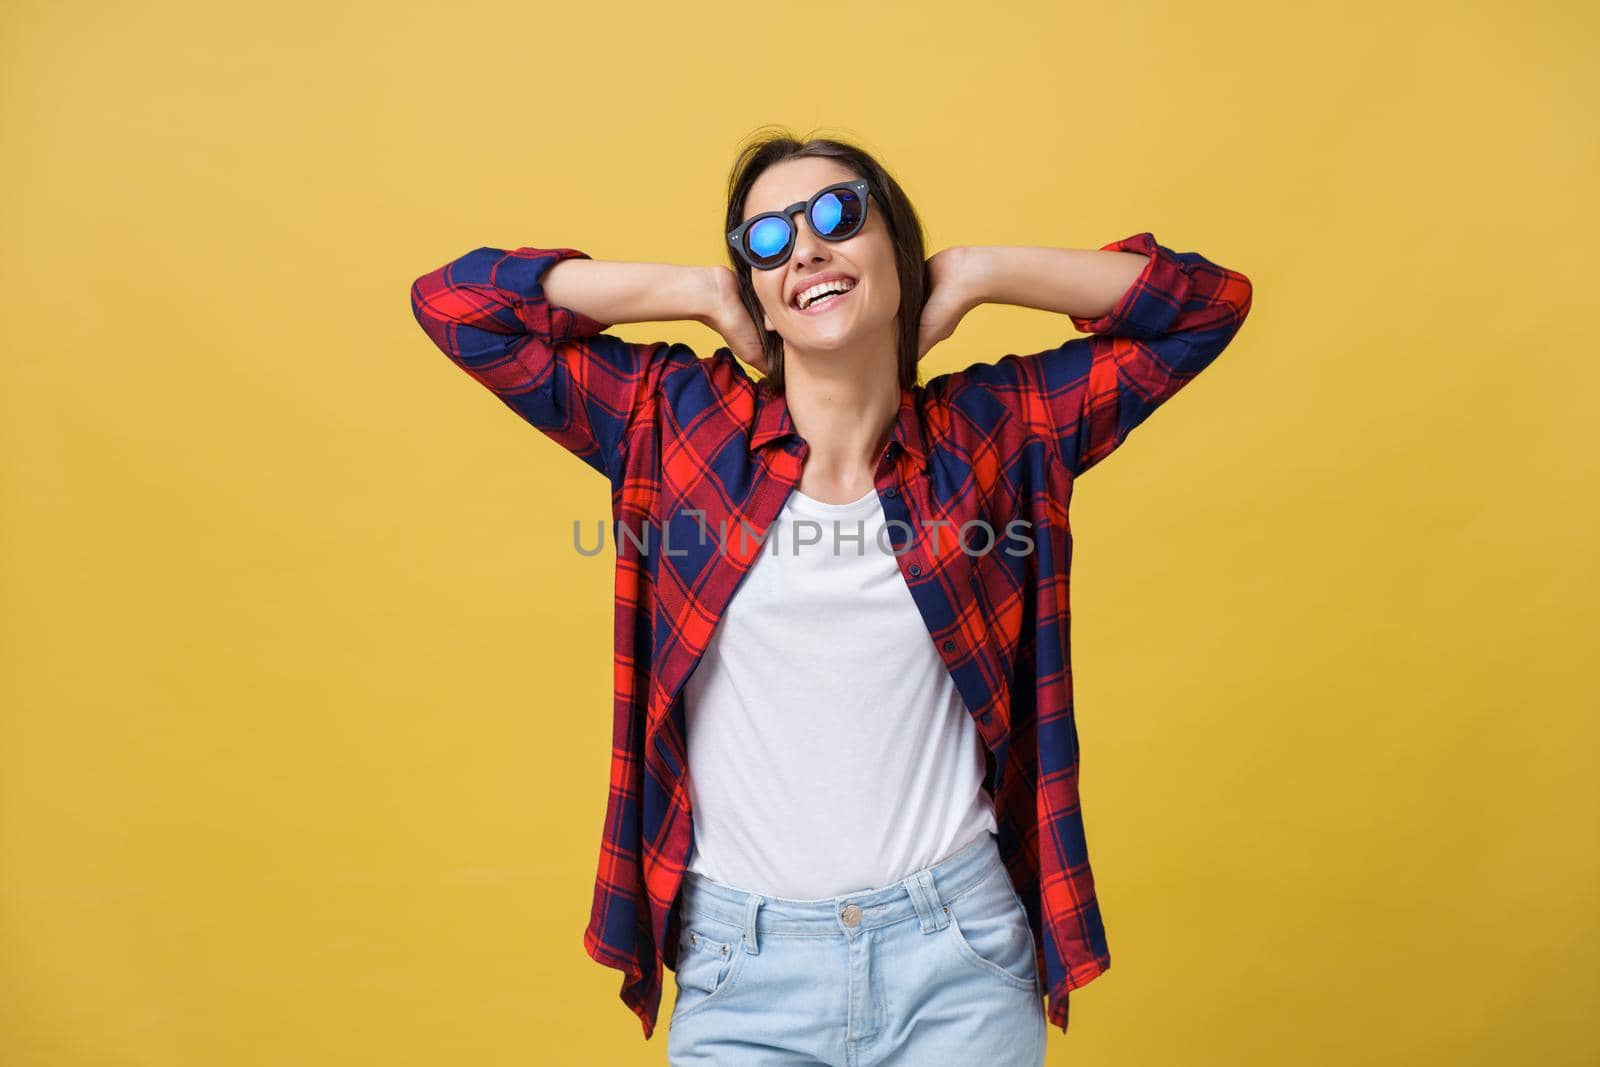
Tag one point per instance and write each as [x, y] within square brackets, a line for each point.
[697, 452]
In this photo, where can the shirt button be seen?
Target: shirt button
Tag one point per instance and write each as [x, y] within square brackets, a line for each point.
[890, 492]
[985, 717]
[851, 915]
[915, 570]
[949, 646]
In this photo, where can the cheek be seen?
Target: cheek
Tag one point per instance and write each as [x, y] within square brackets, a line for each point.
[888, 289]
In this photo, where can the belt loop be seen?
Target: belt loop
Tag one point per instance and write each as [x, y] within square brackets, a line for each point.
[941, 914]
[925, 898]
[751, 904]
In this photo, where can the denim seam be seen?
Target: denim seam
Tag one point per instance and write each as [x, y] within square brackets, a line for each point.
[979, 884]
[965, 949]
[735, 971]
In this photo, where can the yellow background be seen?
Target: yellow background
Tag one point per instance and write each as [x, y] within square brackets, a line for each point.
[306, 723]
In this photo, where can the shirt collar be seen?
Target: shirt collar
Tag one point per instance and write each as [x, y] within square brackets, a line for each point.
[774, 423]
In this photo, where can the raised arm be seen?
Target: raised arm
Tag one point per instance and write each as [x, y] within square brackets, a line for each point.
[1157, 319]
[531, 334]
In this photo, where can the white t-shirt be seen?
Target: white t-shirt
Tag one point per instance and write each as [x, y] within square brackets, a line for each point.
[829, 750]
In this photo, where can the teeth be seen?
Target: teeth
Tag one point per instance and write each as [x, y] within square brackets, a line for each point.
[811, 295]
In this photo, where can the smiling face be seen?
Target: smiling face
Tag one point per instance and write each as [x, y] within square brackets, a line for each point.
[863, 319]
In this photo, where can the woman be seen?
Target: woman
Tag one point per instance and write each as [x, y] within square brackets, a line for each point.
[844, 803]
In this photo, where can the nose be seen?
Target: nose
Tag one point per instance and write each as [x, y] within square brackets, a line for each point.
[806, 243]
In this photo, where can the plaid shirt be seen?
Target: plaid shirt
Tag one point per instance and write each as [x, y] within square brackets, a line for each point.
[701, 458]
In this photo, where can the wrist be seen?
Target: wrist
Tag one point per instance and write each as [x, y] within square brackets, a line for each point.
[976, 274]
[704, 292]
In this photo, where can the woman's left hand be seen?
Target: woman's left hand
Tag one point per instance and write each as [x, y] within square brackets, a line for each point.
[951, 294]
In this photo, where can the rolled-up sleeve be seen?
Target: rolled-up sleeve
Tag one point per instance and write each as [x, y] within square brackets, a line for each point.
[1089, 393]
[551, 365]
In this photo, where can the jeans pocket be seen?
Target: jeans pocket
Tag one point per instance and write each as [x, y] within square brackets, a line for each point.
[707, 967]
[989, 927]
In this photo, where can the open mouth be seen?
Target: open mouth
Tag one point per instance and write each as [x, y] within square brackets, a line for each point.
[826, 302]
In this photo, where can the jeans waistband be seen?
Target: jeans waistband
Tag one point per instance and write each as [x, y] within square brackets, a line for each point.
[920, 894]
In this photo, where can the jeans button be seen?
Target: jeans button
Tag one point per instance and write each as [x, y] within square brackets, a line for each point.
[851, 915]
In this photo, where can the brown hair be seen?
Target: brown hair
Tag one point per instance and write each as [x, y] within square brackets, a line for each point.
[773, 145]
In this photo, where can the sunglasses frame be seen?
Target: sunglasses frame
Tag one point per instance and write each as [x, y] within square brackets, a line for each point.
[860, 186]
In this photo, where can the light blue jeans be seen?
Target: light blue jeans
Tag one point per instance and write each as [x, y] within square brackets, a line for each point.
[938, 968]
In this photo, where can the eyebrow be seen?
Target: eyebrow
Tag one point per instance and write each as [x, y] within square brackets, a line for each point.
[778, 207]
[800, 200]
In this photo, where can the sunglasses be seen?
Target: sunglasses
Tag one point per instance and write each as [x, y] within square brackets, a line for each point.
[834, 214]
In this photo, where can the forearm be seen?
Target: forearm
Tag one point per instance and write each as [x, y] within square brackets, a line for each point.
[612, 292]
[1156, 318]
[1086, 283]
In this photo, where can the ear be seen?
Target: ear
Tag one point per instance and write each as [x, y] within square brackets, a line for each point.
[766, 321]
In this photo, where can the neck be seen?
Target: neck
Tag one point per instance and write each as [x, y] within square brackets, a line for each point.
[844, 408]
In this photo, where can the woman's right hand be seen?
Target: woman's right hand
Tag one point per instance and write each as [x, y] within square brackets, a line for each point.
[726, 314]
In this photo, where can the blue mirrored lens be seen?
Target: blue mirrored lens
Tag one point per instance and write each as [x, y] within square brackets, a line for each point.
[767, 237]
[827, 213]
